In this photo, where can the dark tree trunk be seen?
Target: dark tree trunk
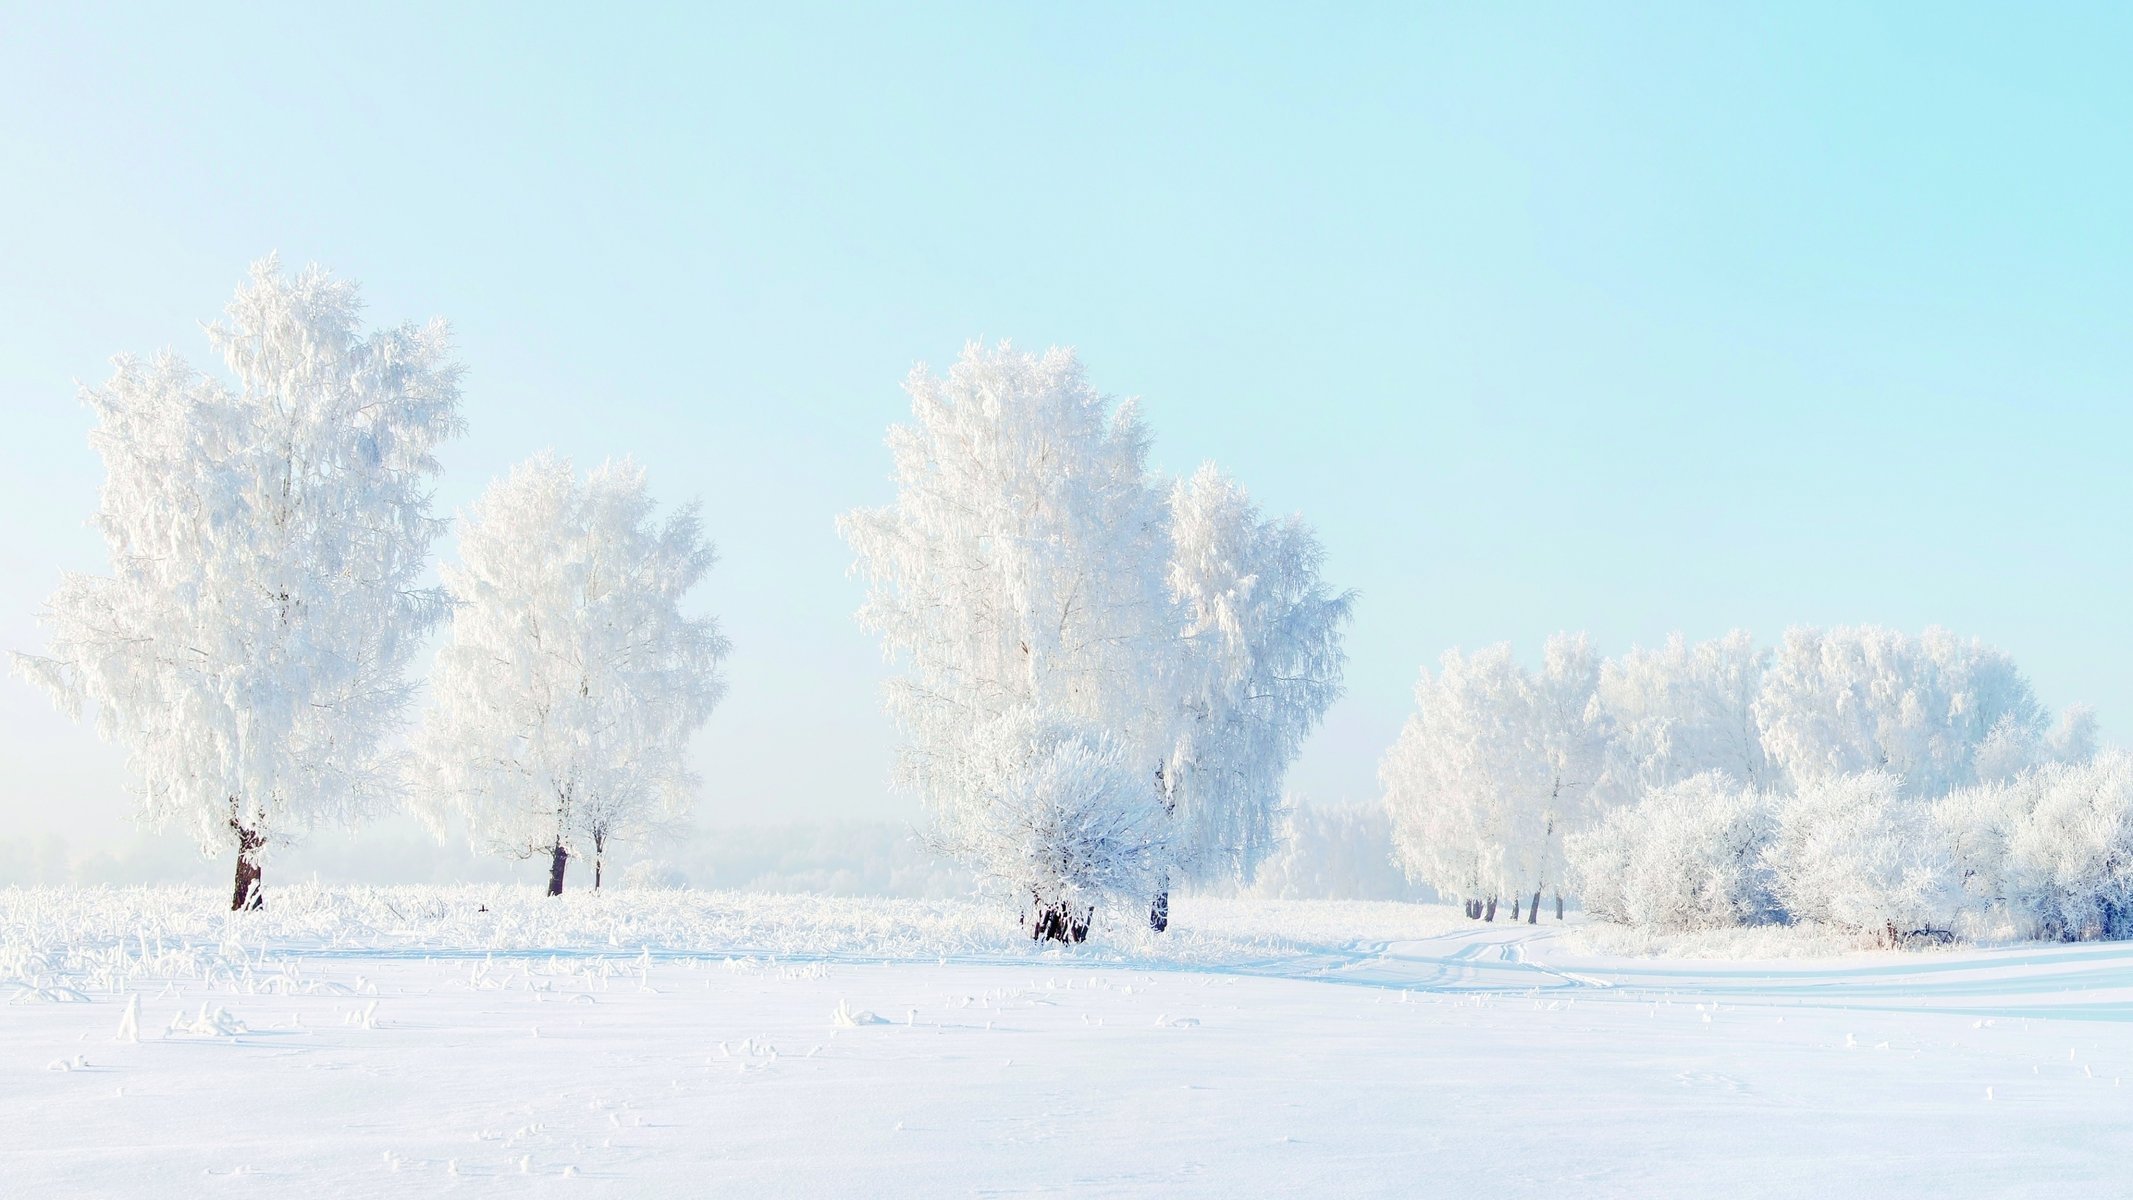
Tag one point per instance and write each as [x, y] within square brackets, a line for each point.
[1058, 923]
[555, 871]
[1489, 913]
[1473, 910]
[247, 896]
[599, 858]
[1515, 902]
[1159, 911]
[1533, 915]
[1558, 906]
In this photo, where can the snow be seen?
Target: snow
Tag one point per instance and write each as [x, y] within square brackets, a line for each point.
[401, 1041]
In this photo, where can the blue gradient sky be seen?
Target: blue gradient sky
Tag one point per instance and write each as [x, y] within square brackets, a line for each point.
[1548, 316]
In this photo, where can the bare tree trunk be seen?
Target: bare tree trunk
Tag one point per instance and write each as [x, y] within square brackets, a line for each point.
[1533, 915]
[555, 870]
[1514, 907]
[1159, 911]
[1558, 906]
[599, 858]
[1490, 913]
[1473, 910]
[247, 896]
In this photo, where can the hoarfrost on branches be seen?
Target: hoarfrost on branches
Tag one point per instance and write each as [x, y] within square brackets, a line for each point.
[1260, 663]
[571, 683]
[1031, 576]
[249, 646]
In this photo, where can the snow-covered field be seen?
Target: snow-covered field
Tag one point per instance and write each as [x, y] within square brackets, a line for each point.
[366, 1042]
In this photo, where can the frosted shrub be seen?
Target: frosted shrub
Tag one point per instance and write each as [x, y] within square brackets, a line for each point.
[1688, 856]
[1859, 852]
[2053, 850]
[1064, 823]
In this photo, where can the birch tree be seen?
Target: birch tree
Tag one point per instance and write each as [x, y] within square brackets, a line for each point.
[1016, 579]
[1260, 660]
[266, 533]
[572, 680]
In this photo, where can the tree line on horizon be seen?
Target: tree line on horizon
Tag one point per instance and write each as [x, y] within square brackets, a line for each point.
[1101, 676]
[1899, 786]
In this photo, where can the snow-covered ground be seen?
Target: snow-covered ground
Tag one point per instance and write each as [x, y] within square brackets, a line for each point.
[404, 1041]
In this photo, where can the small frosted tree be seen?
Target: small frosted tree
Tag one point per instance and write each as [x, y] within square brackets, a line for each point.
[1260, 661]
[1465, 777]
[1062, 821]
[266, 535]
[1017, 578]
[1495, 768]
[572, 681]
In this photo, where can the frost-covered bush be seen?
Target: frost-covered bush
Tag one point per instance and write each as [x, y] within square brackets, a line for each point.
[1688, 856]
[1065, 823]
[1860, 852]
[2050, 853]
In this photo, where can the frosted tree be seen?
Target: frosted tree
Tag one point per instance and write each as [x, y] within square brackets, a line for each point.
[1571, 735]
[572, 681]
[1938, 711]
[1497, 766]
[1017, 580]
[1464, 781]
[1683, 710]
[1259, 662]
[266, 532]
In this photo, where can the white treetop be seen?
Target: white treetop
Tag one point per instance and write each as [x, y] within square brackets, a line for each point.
[572, 681]
[1017, 579]
[1936, 710]
[266, 534]
[1682, 710]
[1260, 663]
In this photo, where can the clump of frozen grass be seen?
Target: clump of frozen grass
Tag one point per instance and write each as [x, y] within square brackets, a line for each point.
[112, 940]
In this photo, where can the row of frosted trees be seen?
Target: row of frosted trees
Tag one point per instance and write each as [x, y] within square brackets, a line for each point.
[1902, 786]
[1105, 674]
[269, 535]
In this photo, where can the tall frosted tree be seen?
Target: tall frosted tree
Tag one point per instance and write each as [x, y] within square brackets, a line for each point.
[266, 531]
[1260, 660]
[572, 681]
[1017, 580]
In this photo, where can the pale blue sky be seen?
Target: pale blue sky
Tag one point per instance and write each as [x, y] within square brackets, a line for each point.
[1548, 316]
